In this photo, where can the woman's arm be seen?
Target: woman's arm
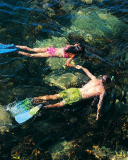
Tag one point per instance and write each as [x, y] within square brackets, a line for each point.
[69, 60]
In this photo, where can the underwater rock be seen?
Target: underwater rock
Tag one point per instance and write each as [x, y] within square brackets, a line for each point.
[61, 148]
[127, 97]
[73, 120]
[121, 108]
[88, 1]
[118, 91]
[58, 63]
[65, 80]
[54, 41]
[97, 22]
[121, 103]
[62, 76]
[5, 120]
[104, 152]
[67, 6]
[126, 81]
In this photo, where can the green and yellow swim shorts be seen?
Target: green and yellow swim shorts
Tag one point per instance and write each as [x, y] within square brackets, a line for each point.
[71, 95]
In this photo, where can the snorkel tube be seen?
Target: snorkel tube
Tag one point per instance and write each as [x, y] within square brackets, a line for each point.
[112, 78]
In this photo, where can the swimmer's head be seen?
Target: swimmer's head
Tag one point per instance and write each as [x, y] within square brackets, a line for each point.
[76, 49]
[105, 79]
[79, 47]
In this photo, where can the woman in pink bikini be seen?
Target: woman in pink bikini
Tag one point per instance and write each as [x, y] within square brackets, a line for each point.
[69, 52]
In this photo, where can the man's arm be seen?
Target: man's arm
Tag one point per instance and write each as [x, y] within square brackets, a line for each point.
[99, 105]
[89, 74]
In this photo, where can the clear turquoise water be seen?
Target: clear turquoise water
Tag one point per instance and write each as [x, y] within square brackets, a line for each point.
[70, 132]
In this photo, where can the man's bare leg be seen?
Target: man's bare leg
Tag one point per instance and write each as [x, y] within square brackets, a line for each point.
[48, 97]
[45, 98]
[59, 104]
[36, 55]
[32, 49]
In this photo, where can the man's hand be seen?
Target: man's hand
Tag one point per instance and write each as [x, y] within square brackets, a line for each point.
[97, 116]
[98, 110]
[78, 67]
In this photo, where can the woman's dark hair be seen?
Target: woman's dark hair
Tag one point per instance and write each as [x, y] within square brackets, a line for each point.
[105, 79]
[76, 49]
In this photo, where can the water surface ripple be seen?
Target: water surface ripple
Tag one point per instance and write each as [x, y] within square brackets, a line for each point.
[70, 132]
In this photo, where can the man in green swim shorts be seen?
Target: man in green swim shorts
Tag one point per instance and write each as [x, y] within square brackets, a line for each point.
[95, 87]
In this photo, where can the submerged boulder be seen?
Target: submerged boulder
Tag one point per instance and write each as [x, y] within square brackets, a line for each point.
[58, 63]
[62, 76]
[5, 120]
[65, 80]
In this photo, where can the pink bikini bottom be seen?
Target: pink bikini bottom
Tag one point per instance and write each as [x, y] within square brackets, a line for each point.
[51, 51]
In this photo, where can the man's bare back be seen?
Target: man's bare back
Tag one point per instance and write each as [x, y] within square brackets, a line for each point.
[92, 88]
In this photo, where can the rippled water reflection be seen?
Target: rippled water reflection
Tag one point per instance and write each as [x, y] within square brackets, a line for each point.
[70, 132]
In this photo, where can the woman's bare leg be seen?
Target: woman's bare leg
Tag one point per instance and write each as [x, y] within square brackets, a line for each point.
[32, 49]
[59, 104]
[36, 55]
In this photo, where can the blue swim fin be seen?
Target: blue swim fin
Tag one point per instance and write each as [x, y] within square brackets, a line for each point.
[3, 51]
[23, 117]
[6, 46]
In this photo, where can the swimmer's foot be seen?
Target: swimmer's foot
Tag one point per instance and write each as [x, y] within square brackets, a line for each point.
[37, 101]
[40, 106]
[22, 47]
[25, 48]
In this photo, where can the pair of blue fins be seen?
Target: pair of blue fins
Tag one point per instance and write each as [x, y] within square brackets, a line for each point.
[7, 48]
[22, 117]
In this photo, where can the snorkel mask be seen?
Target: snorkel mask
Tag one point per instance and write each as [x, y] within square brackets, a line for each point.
[78, 48]
[101, 77]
